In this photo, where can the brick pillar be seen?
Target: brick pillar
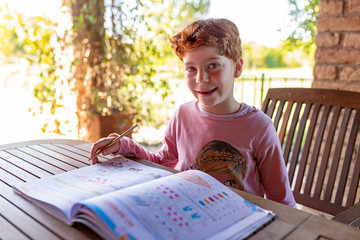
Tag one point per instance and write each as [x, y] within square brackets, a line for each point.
[337, 57]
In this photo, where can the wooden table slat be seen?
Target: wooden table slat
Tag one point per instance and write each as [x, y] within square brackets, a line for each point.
[9, 231]
[45, 158]
[10, 179]
[21, 173]
[22, 220]
[47, 220]
[86, 146]
[284, 213]
[275, 230]
[84, 150]
[24, 165]
[350, 216]
[74, 162]
[70, 142]
[328, 228]
[297, 235]
[80, 156]
[45, 165]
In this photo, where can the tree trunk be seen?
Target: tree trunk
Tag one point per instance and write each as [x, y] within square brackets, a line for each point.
[89, 52]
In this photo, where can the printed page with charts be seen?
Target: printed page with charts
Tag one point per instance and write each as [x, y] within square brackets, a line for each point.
[57, 194]
[122, 199]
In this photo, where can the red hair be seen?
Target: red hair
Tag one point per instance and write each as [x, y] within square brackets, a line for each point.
[220, 33]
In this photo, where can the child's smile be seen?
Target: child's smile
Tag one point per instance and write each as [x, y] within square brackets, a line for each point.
[210, 78]
[204, 92]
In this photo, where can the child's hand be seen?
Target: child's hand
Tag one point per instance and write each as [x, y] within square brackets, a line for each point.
[101, 143]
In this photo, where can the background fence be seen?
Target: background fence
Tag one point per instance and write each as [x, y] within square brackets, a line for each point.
[250, 90]
[253, 90]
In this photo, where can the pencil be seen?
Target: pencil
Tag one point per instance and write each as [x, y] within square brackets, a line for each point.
[113, 141]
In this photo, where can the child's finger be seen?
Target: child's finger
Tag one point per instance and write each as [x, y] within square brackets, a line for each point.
[99, 145]
[114, 148]
[94, 160]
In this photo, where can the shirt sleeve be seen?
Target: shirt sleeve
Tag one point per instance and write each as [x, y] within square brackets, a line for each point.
[132, 149]
[272, 169]
[167, 155]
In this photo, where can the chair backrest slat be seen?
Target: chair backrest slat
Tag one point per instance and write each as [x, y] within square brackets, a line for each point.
[297, 145]
[336, 157]
[291, 132]
[347, 157]
[327, 151]
[279, 113]
[354, 185]
[316, 150]
[319, 131]
[285, 119]
[271, 108]
[306, 150]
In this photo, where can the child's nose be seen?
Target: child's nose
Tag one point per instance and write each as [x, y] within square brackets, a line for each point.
[202, 77]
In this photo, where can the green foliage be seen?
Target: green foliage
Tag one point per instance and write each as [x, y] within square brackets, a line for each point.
[118, 47]
[303, 14]
[33, 38]
[274, 58]
[258, 56]
[133, 46]
[9, 39]
[25, 37]
[38, 35]
[248, 56]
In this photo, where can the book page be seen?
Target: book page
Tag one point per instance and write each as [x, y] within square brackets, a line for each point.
[187, 205]
[65, 189]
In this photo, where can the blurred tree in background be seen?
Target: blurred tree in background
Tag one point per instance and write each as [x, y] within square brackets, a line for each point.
[274, 58]
[303, 15]
[257, 57]
[118, 47]
[37, 40]
[107, 54]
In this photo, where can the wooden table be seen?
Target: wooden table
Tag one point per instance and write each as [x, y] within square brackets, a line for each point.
[21, 219]
[350, 216]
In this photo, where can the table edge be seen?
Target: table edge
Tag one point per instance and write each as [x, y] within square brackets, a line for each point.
[73, 142]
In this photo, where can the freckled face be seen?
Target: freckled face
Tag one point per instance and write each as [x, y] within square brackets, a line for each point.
[210, 78]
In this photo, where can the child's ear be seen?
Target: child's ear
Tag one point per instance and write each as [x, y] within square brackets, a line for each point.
[238, 67]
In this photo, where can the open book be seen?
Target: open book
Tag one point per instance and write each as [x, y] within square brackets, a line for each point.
[121, 198]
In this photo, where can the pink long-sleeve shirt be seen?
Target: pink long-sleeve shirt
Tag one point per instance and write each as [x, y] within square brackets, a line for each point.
[241, 151]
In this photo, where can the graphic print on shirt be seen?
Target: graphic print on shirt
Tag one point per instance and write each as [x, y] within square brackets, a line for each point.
[222, 161]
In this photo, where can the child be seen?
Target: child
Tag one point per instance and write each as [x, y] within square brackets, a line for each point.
[232, 141]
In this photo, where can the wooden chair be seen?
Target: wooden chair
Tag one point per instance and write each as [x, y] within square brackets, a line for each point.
[320, 136]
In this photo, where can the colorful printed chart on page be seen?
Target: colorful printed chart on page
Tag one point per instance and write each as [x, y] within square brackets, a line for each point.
[187, 205]
[65, 189]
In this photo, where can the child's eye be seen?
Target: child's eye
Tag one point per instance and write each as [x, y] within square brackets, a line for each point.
[213, 65]
[190, 69]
